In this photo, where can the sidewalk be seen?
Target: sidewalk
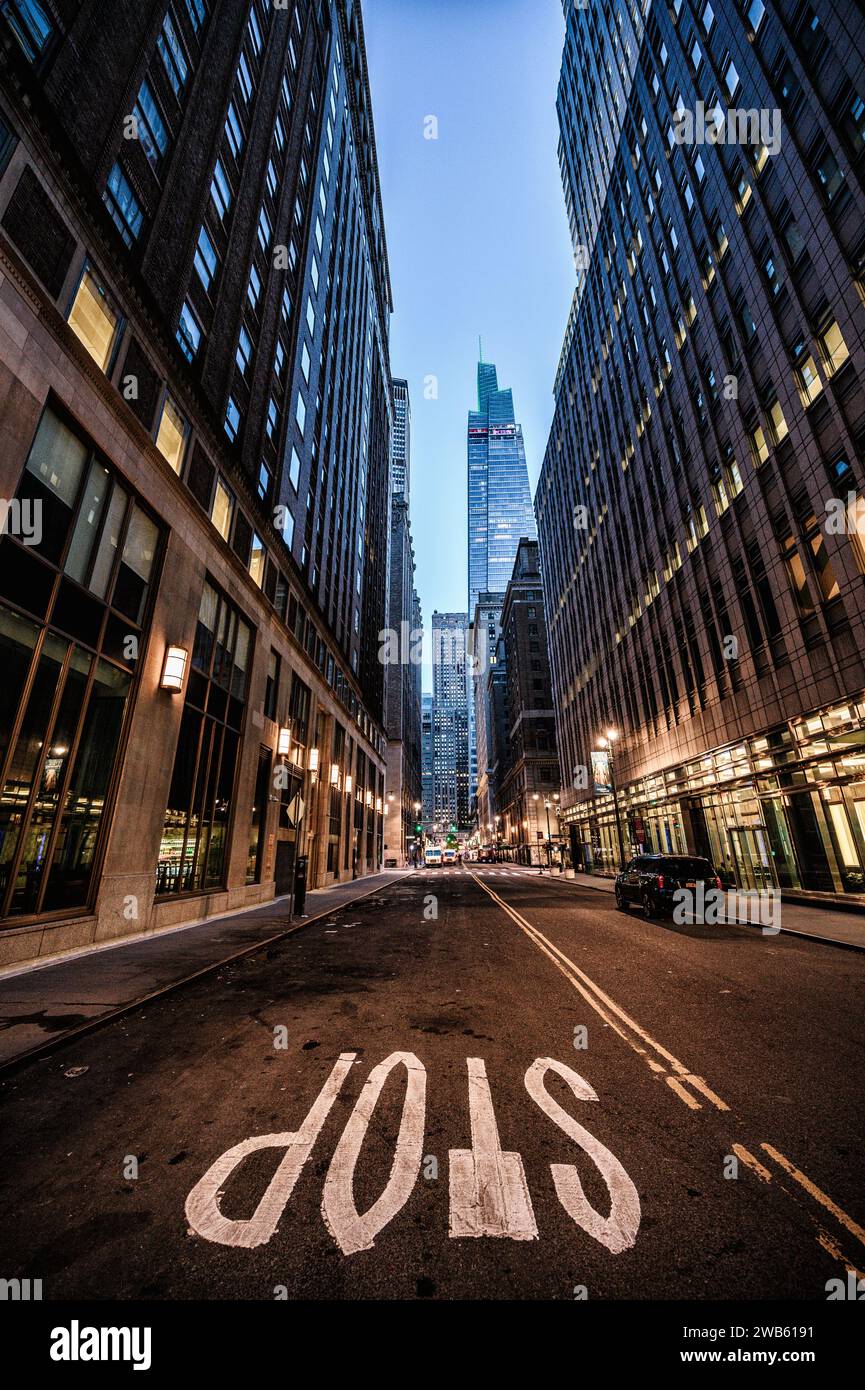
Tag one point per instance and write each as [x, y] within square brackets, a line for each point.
[46, 1001]
[817, 923]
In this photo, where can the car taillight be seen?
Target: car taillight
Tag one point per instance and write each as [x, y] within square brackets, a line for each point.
[660, 881]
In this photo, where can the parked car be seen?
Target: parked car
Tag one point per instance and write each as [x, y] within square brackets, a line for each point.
[432, 856]
[651, 881]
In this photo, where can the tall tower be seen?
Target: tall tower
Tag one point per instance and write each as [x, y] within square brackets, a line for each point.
[499, 496]
[450, 720]
[401, 438]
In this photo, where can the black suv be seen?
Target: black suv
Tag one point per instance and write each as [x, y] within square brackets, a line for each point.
[651, 881]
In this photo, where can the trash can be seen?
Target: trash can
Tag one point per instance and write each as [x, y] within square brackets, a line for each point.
[300, 884]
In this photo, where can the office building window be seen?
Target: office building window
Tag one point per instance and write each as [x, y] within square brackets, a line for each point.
[30, 23]
[222, 509]
[173, 56]
[172, 434]
[192, 853]
[232, 419]
[234, 131]
[123, 205]
[188, 332]
[152, 132]
[205, 258]
[94, 320]
[220, 191]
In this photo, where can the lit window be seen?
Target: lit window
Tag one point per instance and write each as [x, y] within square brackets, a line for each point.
[222, 509]
[232, 419]
[173, 57]
[152, 134]
[759, 447]
[123, 205]
[205, 258]
[171, 435]
[94, 320]
[834, 348]
[188, 332]
[808, 380]
[256, 560]
[779, 424]
[30, 24]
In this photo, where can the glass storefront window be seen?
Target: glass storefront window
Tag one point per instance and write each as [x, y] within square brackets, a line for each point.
[195, 830]
[63, 674]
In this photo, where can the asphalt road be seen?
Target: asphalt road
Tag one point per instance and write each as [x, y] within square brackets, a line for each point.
[575, 1103]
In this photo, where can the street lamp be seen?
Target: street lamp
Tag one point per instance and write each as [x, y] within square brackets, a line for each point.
[549, 844]
[607, 745]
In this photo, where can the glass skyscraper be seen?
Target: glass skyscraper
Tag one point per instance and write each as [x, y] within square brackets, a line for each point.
[499, 496]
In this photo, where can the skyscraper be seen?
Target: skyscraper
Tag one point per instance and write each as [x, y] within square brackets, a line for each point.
[450, 720]
[427, 771]
[402, 670]
[401, 444]
[699, 507]
[196, 385]
[485, 631]
[499, 496]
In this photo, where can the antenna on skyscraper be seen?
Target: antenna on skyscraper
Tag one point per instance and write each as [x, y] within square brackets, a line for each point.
[480, 349]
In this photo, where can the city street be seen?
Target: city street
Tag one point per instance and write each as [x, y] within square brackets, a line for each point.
[483, 1083]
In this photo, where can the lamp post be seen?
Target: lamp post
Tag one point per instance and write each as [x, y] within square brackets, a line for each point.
[606, 743]
[549, 843]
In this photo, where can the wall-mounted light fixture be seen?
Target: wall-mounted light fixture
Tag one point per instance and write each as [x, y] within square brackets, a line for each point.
[283, 743]
[378, 804]
[313, 760]
[348, 785]
[334, 774]
[369, 798]
[174, 668]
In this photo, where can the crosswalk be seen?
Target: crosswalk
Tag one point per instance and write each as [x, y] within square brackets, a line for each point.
[489, 870]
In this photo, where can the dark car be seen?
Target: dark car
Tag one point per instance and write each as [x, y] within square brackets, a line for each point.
[651, 881]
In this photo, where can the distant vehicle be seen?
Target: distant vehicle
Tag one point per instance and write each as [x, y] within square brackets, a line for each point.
[432, 856]
[450, 856]
[651, 881]
[486, 856]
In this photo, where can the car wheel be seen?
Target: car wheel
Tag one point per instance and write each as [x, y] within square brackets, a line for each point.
[649, 911]
[620, 901]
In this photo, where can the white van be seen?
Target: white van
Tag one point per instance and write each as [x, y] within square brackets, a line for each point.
[432, 856]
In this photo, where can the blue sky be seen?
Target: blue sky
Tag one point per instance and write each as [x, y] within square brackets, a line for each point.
[477, 236]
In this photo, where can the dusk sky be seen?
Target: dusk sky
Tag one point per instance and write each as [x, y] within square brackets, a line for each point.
[477, 237]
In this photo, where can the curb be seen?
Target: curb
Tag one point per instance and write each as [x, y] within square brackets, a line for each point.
[44, 1049]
